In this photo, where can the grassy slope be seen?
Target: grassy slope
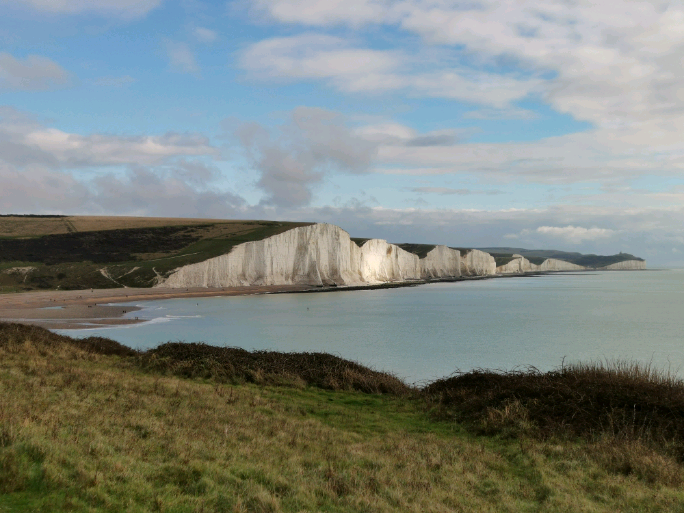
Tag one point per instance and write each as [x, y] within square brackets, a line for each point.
[86, 431]
[70, 252]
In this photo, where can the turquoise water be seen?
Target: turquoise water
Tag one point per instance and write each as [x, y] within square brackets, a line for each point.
[426, 332]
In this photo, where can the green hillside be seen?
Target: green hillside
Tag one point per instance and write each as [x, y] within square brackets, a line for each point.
[89, 252]
[537, 256]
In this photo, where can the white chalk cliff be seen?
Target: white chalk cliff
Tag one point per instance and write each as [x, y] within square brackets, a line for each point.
[440, 262]
[320, 254]
[381, 262]
[477, 263]
[553, 264]
[627, 265]
[324, 255]
[518, 265]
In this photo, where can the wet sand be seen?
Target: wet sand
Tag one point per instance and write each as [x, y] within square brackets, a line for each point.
[94, 308]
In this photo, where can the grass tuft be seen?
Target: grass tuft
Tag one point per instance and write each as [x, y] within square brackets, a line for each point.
[622, 400]
[235, 365]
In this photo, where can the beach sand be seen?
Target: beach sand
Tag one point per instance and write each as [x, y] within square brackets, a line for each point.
[92, 308]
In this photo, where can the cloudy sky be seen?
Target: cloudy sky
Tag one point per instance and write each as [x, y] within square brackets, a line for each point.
[542, 124]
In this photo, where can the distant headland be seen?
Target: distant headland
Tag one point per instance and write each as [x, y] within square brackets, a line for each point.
[98, 252]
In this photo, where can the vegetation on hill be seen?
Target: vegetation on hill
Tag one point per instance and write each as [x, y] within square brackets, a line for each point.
[504, 258]
[359, 241]
[51, 253]
[537, 256]
[421, 250]
[90, 425]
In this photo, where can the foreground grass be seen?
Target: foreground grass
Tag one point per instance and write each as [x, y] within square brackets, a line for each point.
[83, 427]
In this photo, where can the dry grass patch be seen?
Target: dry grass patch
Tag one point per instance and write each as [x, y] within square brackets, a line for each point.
[37, 226]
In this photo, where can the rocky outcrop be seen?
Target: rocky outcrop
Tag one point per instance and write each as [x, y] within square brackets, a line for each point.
[553, 264]
[441, 262]
[627, 265]
[477, 263]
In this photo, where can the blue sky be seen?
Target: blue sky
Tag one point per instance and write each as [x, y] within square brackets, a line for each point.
[528, 124]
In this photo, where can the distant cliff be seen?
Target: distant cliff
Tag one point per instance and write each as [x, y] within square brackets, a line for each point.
[477, 263]
[519, 264]
[553, 264]
[324, 254]
[627, 265]
[441, 262]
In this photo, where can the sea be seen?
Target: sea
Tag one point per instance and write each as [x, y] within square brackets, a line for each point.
[427, 332]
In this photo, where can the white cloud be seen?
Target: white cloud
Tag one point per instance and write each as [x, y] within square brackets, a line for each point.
[205, 35]
[314, 56]
[598, 156]
[181, 58]
[324, 12]
[401, 135]
[613, 64]
[290, 163]
[46, 170]
[445, 191]
[34, 73]
[571, 234]
[576, 234]
[26, 142]
[118, 8]
[354, 69]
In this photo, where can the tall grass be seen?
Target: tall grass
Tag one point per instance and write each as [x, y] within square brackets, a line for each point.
[616, 399]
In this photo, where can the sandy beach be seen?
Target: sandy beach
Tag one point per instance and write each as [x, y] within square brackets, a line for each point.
[93, 308]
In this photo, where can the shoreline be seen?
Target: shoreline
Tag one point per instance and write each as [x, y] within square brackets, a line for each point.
[97, 308]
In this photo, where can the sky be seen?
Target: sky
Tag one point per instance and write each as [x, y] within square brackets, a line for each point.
[555, 124]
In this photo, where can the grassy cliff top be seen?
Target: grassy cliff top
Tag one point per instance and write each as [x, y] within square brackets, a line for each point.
[70, 252]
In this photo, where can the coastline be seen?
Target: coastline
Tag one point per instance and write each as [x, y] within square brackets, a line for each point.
[97, 308]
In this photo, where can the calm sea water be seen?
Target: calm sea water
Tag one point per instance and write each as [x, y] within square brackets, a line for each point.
[426, 332]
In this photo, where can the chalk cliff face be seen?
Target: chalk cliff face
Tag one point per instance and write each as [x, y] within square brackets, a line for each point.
[627, 265]
[382, 262]
[519, 264]
[440, 262]
[553, 264]
[477, 263]
[323, 254]
[320, 254]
